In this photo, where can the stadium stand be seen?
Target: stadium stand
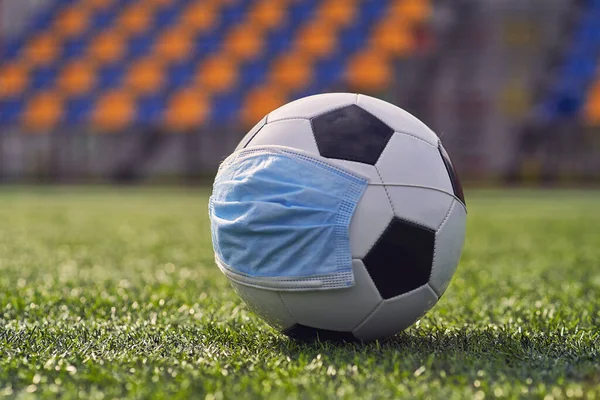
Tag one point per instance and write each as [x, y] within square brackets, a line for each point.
[182, 63]
[576, 87]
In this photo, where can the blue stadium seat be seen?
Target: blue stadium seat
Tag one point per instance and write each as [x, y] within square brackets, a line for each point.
[566, 104]
[11, 110]
[111, 76]
[580, 67]
[307, 91]
[207, 44]
[78, 110]
[235, 12]
[166, 17]
[11, 49]
[75, 47]
[43, 77]
[140, 46]
[329, 71]
[279, 40]
[254, 72]
[43, 19]
[352, 39]
[103, 19]
[150, 109]
[589, 31]
[372, 10]
[181, 74]
[301, 11]
[226, 107]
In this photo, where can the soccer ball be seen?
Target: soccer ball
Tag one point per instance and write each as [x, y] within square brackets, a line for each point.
[407, 231]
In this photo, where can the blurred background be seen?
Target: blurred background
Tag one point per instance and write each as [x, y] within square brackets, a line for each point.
[162, 90]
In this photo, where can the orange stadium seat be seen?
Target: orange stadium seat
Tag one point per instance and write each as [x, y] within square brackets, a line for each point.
[107, 47]
[44, 110]
[14, 78]
[244, 42]
[173, 45]
[114, 109]
[217, 74]
[43, 49]
[592, 106]
[145, 76]
[72, 21]
[268, 14]
[199, 16]
[260, 101]
[291, 71]
[77, 77]
[392, 37]
[337, 12]
[186, 109]
[369, 70]
[412, 10]
[316, 39]
[136, 18]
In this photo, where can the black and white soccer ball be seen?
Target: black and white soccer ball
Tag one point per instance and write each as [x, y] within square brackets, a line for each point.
[407, 232]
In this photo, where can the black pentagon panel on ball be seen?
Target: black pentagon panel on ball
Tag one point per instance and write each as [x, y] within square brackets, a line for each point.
[401, 260]
[305, 333]
[456, 185]
[351, 133]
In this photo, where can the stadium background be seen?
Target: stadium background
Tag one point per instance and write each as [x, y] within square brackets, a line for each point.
[162, 90]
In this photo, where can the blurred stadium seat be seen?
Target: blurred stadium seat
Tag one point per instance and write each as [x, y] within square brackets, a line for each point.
[114, 109]
[369, 70]
[575, 89]
[186, 109]
[260, 101]
[183, 63]
[43, 110]
[107, 47]
[14, 79]
[144, 76]
[135, 18]
[72, 21]
[42, 49]
[199, 16]
[77, 78]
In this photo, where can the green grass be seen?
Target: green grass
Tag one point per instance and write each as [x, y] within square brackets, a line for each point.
[108, 293]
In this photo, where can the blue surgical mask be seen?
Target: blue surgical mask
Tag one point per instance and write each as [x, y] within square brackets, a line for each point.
[280, 217]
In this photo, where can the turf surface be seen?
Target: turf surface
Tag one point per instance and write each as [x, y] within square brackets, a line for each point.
[113, 293]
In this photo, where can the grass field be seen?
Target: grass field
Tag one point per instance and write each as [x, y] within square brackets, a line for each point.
[110, 293]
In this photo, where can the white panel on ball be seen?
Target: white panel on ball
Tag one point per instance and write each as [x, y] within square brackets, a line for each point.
[267, 304]
[426, 207]
[410, 161]
[251, 133]
[312, 106]
[336, 310]
[372, 215]
[296, 134]
[396, 314]
[448, 247]
[397, 118]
